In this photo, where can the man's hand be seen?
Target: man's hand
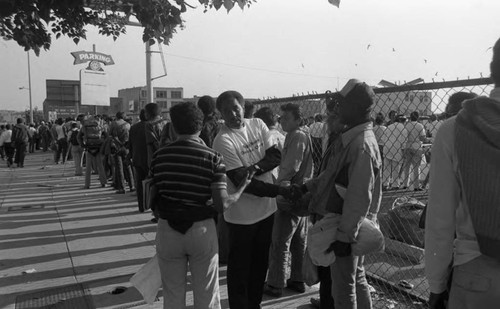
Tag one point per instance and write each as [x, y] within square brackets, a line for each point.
[438, 301]
[296, 192]
[286, 192]
[341, 249]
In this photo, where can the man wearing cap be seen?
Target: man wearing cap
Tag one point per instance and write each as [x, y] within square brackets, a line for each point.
[354, 166]
[463, 222]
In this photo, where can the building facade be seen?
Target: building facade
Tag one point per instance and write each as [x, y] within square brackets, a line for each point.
[135, 98]
[63, 100]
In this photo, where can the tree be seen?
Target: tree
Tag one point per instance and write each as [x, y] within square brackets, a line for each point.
[33, 23]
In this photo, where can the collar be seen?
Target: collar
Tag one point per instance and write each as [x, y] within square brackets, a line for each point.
[191, 138]
[350, 134]
[495, 94]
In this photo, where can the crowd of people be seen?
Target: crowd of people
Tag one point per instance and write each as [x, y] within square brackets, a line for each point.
[243, 187]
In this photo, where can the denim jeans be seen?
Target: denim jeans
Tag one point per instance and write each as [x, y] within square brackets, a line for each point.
[97, 161]
[20, 153]
[288, 239]
[247, 262]
[123, 171]
[77, 158]
[197, 248]
[349, 286]
[476, 284]
[62, 150]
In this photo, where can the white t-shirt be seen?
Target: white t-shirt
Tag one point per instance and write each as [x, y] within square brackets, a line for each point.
[416, 131]
[242, 148]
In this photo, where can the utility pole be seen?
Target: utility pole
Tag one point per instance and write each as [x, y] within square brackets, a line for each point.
[149, 86]
[29, 89]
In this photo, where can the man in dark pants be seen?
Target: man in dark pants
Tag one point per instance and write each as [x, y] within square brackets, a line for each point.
[246, 146]
[119, 131]
[139, 155]
[20, 138]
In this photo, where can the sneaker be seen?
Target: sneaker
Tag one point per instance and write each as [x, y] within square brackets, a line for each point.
[154, 220]
[272, 291]
[132, 189]
[297, 286]
[315, 302]
[120, 192]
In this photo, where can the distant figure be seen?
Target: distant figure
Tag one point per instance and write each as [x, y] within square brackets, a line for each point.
[392, 118]
[31, 138]
[119, 132]
[20, 139]
[317, 131]
[59, 135]
[413, 152]
[91, 139]
[463, 221]
[6, 144]
[76, 149]
[270, 119]
[379, 130]
[395, 138]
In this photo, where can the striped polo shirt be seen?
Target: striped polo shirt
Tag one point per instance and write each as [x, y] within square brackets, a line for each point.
[186, 170]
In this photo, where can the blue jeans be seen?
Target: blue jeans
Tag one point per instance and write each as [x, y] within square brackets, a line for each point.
[198, 248]
[289, 238]
[349, 286]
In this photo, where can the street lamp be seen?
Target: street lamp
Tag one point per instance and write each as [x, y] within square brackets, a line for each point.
[29, 88]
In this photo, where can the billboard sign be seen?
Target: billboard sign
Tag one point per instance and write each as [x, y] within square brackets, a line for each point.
[94, 88]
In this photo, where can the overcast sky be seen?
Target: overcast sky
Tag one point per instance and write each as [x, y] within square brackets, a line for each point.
[280, 48]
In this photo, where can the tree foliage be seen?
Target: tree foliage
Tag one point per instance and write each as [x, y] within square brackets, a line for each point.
[33, 23]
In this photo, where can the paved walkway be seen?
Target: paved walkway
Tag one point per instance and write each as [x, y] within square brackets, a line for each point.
[59, 242]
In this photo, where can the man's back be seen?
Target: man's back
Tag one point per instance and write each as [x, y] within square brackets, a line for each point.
[137, 144]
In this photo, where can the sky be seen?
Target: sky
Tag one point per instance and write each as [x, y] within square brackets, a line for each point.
[280, 48]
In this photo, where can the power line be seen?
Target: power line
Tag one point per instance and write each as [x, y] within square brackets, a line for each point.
[251, 68]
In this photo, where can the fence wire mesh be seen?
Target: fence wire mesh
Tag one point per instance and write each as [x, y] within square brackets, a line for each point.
[406, 149]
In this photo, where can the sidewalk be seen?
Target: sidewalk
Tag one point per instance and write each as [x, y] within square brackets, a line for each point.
[76, 248]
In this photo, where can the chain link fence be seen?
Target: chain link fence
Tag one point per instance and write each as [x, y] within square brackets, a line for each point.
[406, 149]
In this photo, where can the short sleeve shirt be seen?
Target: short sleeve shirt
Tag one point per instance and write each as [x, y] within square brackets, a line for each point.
[241, 148]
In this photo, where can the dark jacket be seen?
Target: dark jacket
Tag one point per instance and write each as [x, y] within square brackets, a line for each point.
[138, 146]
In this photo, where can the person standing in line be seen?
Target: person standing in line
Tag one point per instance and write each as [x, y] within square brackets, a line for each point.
[76, 149]
[395, 137]
[413, 153]
[139, 154]
[379, 131]
[90, 138]
[20, 139]
[119, 132]
[211, 125]
[356, 166]
[278, 139]
[462, 225]
[59, 135]
[44, 133]
[290, 228]
[31, 138]
[158, 134]
[6, 144]
[246, 146]
[2, 150]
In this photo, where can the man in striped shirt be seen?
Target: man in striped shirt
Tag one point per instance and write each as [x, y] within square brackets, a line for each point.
[188, 174]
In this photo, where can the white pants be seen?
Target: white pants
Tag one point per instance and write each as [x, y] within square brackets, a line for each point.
[198, 248]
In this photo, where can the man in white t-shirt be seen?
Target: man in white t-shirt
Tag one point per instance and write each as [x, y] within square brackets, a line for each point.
[413, 152]
[246, 145]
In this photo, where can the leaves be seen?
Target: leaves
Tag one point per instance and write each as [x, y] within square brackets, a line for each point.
[32, 23]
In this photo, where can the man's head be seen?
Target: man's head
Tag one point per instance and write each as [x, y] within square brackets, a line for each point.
[249, 108]
[291, 117]
[8, 126]
[414, 116]
[207, 105]
[187, 119]
[495, 64]
[267, 115]
[392, 115]
[455, 102]
[119, 115]
[230, 104]
[379, 119]
[152, 110]
[20, 120]
[142, 115]
[357, 102]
